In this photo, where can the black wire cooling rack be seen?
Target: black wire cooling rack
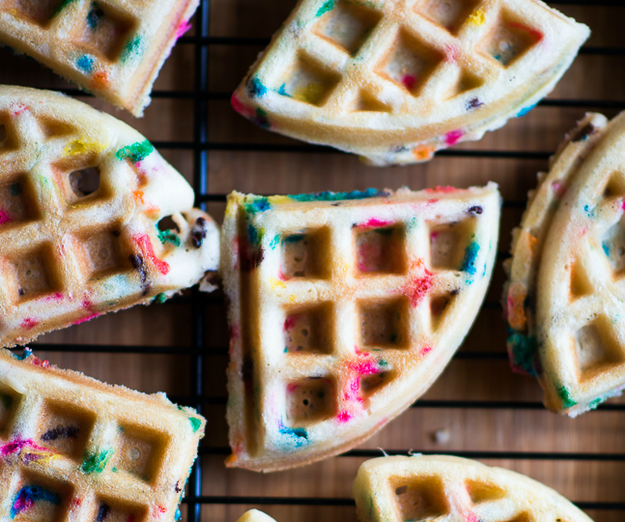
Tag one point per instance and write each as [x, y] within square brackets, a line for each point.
[201, 146]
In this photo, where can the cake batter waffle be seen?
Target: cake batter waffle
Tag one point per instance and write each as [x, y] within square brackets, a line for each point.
[451, 489]
[83, 202]
[563, 298]
[344, 309]
[396, 81]
[253, 515]
[112, 48]
[75, 449]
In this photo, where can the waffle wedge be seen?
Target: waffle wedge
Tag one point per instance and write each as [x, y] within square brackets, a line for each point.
[344, 309]
[114, 48]
[564, 295]
[76, 449]
[394, 81]
[450, 489]
[81, 198]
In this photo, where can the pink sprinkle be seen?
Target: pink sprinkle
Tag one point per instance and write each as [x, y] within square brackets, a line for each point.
[360, 352]
[343, 416]
[38, 362]
[440, 188]
[183, 28]
[453, 137]
[85, 319]
[145, 244]
[623, 205]
[289, 323]
[19, 109]
[29, 323]
[16, 446]
[374, 222]
[242, 109]
[57, 296]
[534, 32]
[559, 188]
[408, 80]
[233, 332]
[434, 235]
[4, 217]
[291, 387]
[425, 350]
[366, 368]
[418, 288]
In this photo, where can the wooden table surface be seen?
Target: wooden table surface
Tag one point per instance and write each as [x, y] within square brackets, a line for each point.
[485, 408]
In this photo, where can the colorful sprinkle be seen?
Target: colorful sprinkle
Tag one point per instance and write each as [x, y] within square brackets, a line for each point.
[168, 236]
[453, 137]
[470, 257]
[408, 80]
[4, 217]
[28, 495]
[565, 396]
[477, 18]
[29, 323]
[337, 196]
[94, 16]
[145, 243]
[327, 6]
[196, 423]
[297, 436]
[86, 63]
[133, 49]
[136, 152]
[256, 88]
[522, 353]
[418, 288]
[96, 462]
[183, 28]
[257, 205]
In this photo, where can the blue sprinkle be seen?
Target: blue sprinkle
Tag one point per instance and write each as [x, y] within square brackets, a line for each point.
[27, 353]
[470, 256]
[299, 436]
[525, 110]
[606, 249]
[337, 196]
[252, 234]
[282, 90]
[256, 88]
[86, 63]
[29, 494]
[257, 205]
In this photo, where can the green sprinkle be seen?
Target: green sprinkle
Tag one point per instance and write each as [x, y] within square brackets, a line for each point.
[594, 404]
[169, 236]
[382, 362]
[160, 298]
[136, 152]
[327, 6]
[195, 423]
[96, 462]
[565, 396]
[134, 48]
[257, 205]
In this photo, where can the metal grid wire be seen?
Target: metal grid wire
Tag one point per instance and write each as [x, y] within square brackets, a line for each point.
[200, 147]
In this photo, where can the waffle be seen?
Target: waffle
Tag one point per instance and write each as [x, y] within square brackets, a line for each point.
[81, 198]
[253, 515]
[565, 284]
[75, 449]
[395, 81]
[113, 49]
[451, 489]
[344, 309]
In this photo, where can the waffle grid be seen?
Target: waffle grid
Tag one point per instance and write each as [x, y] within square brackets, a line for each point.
[201, 147]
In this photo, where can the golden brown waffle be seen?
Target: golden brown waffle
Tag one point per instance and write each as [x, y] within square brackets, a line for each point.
[253, 515]
[563, 297]
[75, 449]
[81, 198]
[344, 309]
[113, 48]
[450, 489]
[396, 80]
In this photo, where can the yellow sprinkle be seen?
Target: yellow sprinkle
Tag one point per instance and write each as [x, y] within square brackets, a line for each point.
[311, 93]
[82, 147]
[276, 284]
[292, 298]
[277, 200]
[478, 18]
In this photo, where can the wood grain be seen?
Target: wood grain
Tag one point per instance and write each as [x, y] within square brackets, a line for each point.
[482, 428]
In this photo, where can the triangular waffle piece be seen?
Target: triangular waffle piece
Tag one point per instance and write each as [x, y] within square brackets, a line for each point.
[253, 515]
[450, 489]
[344, 309]
[73, 448]
[396, 81]
[113, 49]
[81, 198]
[565, 289]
